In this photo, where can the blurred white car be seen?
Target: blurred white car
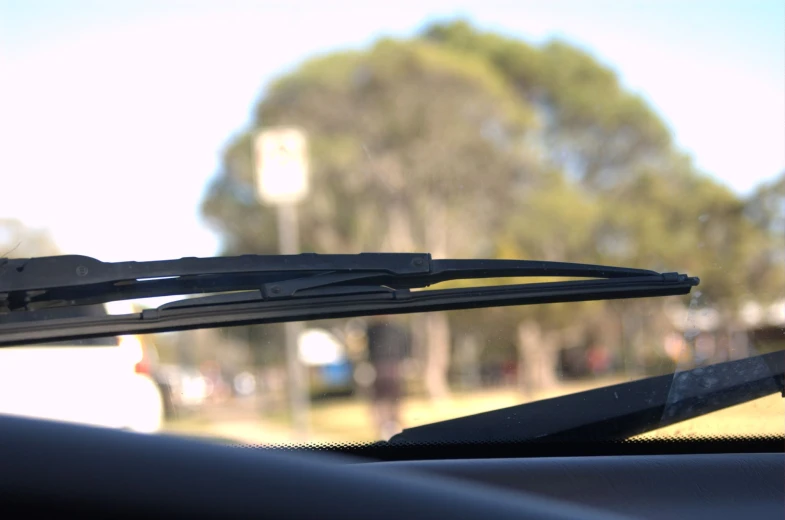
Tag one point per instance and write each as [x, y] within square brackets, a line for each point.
[101, 382]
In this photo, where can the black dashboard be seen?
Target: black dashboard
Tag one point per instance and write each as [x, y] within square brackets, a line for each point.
[65, 471]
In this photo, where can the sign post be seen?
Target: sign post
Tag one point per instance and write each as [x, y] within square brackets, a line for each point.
[281, 159]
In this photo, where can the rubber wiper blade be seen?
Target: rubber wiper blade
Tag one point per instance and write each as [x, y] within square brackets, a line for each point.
[272, 289]
[615, 412]
[76, 280]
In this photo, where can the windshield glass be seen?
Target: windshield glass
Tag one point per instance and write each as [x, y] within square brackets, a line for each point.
[639, 135]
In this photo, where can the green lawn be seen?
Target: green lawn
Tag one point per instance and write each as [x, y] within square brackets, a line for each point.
[349, 419]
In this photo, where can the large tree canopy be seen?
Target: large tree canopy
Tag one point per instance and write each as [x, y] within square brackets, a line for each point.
[468, 144]
[407, 128]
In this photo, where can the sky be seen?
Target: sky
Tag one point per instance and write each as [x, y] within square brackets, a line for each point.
[113, 115]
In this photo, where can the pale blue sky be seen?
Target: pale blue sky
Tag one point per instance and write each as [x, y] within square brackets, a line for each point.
[107, 97]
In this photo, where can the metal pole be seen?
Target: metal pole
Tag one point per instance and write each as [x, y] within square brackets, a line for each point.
[289, 244]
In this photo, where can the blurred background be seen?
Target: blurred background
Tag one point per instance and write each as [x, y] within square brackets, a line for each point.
[636, 133]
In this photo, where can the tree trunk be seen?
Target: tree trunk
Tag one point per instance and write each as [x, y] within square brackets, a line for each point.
[467, 361]
[437, 357]
[437, 325]
[633, 341]
[536, 358]
[399, 236]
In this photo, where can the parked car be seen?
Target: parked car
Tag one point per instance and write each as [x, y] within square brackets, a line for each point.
[95, 381]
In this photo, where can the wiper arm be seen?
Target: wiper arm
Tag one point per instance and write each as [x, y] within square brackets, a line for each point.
[268, 289]
[616, 412]
[75, 279]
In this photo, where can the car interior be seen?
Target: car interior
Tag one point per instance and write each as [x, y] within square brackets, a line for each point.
[74, 471]
[399, 261]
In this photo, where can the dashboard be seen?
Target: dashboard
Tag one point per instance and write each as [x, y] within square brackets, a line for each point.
[70, 471]
[715, 486]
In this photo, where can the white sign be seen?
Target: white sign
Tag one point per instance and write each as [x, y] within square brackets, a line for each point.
[281, 158]
[317, 347]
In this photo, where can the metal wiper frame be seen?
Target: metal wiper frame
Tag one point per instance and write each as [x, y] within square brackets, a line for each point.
[276, 288]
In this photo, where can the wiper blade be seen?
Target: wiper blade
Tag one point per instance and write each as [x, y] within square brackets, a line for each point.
[615, 412]
[269, 289]
[75, 279]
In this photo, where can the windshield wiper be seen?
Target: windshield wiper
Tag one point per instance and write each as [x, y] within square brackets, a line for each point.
[615, 412]
[258, 289]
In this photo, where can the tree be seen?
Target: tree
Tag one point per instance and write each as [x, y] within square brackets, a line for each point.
[766, 209]
[639, 201]
[592, 129]
[388, 128]
[471, 144]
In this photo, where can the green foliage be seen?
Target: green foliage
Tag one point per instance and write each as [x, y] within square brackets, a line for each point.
[472, 144]
[593, 128]
[408, 126]
[766, 209]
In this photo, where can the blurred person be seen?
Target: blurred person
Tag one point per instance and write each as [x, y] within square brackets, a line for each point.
[388, 345]
[598, 359]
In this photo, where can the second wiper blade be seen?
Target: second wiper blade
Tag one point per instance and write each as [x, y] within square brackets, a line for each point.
[615, 412]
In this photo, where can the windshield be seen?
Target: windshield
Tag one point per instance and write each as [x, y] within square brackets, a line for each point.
[647, 136]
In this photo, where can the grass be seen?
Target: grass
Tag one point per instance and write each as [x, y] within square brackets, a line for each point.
[349, 419]
[764, 416]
